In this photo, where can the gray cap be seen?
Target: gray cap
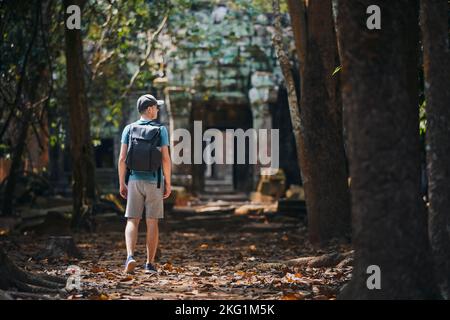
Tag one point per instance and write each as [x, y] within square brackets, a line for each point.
[146, 101]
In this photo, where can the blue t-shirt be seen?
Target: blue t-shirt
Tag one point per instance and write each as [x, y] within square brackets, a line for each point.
[150, 176]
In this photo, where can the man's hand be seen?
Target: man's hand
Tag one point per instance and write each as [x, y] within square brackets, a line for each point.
[123, 191]
[166, 166]
[167, 190]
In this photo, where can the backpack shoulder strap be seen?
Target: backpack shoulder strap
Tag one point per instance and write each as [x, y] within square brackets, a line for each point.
[130, 133]
[154, 123]
[129, 153]
[158, 183]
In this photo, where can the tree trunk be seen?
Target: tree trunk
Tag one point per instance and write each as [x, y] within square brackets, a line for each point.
[436, 57]
[24, 122]
[380, 95]
[59, 247]
[322, 156]
[83, 165]
[16, 164]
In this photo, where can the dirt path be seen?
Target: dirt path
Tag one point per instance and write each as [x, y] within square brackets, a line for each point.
[203, 256]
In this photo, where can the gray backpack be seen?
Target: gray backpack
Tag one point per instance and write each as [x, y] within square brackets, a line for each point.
[144, 152]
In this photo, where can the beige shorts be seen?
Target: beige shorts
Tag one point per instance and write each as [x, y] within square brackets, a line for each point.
[144, 195]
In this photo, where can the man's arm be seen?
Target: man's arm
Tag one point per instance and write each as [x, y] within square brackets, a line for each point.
[123, 170]
[166, 166]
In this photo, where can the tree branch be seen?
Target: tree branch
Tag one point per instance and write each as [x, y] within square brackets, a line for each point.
[106, 28]
[286, 69]
[297, 12]
[285, 63]
[147, 55]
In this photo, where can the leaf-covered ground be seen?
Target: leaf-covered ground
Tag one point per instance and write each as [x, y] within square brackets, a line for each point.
[209, 255]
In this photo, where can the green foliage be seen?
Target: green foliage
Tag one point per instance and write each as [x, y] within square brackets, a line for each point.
[25, 66]
[337, 70]
[266, 6]
[422, 118]
[115, 44]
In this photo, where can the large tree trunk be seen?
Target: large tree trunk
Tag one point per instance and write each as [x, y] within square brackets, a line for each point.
[380, 95]
[436, 57]
[322, 155]
[83, 166]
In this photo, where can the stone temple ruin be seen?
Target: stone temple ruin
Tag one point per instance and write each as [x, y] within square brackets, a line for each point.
[223, 71]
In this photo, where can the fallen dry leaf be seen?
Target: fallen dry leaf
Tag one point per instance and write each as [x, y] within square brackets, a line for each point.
[96, 269]
[110, 276]
[168, 267]
[126, 279]
[102, 296]
[292, 296]
[115, 296]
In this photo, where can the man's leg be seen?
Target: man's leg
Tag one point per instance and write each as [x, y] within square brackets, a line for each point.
[131, 234]
[152, 239]
[133, 213]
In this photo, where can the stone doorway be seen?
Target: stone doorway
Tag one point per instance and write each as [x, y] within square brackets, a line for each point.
[219, 177]
[226, 178]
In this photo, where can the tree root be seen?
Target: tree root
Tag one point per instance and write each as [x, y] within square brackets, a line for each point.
[5, 295]
[323, 261]
[52, 278]
[12, 277]
[30, 288]
[27, 295]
